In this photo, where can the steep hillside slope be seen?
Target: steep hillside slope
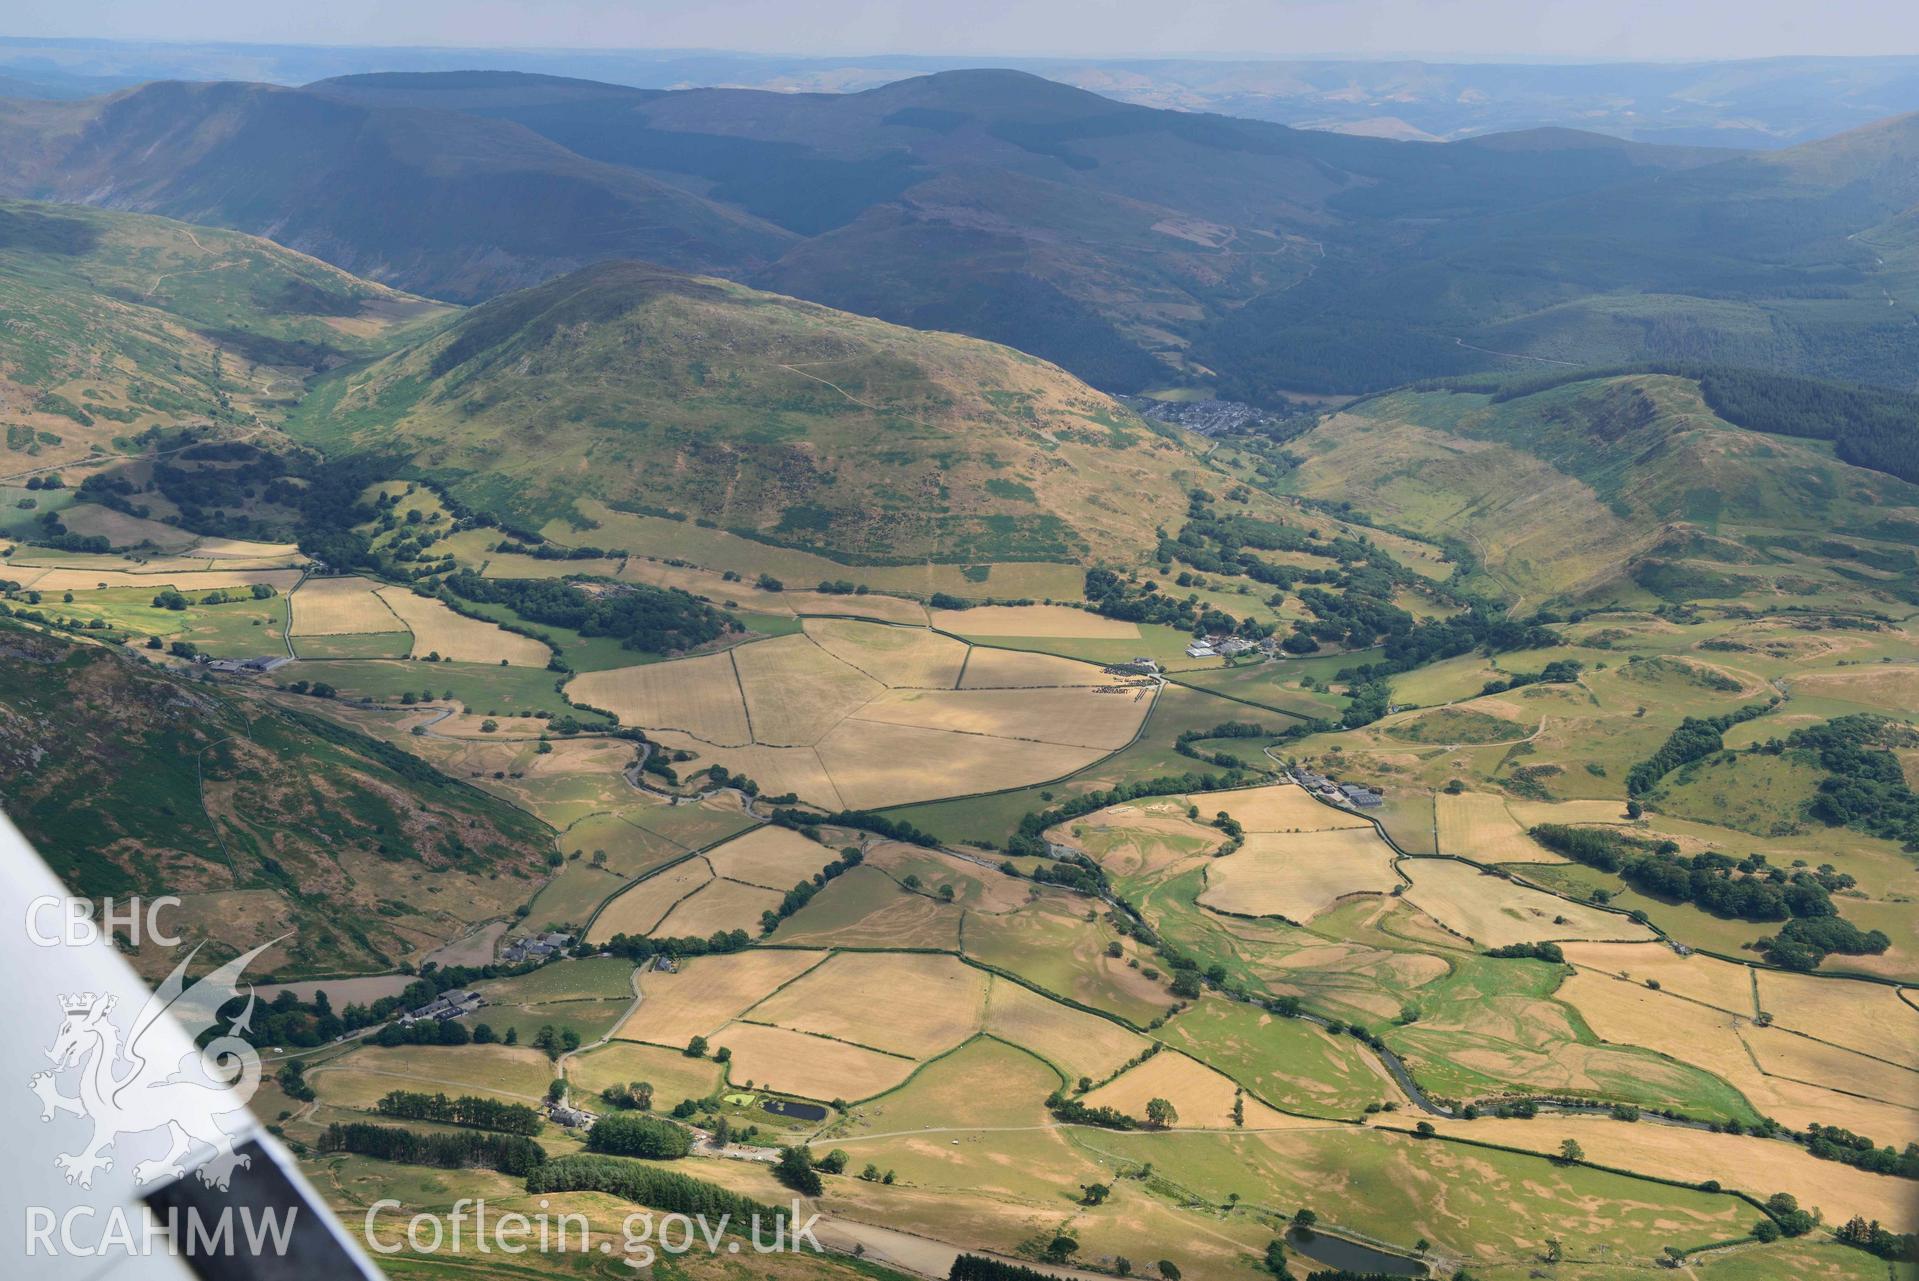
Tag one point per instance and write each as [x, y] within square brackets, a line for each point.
[130, 780]
[442, 203]
[786, 421]
[1626, 487]
[115, 323]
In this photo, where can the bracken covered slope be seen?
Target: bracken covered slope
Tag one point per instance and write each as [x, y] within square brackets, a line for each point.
[261, 819]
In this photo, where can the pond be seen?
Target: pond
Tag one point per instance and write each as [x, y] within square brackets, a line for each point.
[798, 1111]
[1351, 1256]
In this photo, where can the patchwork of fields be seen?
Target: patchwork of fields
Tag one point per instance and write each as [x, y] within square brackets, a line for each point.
[861, 715]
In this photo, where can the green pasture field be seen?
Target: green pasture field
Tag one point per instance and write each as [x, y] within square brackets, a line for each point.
[1498, 1208]
[479, 687]
[589, 1020]
[587, 978]
[1289, 1063]
[367, 645]
[569, 900]
[238, 629]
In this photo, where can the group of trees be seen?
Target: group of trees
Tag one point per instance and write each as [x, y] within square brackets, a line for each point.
[892, 829]
[1831, 1143]
[471, 1110]
[1872, 427]
[1864, 786]
[1804, 943]
[1228, 729]
[657, 620]
[508, 1153]
[802, 894]
[637, 1134]
[543, 550]
[1758, 891]
[1696, 738]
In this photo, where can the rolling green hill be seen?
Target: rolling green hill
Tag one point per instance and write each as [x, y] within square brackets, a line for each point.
[1626, 487]
[116, 323]
[788, 422]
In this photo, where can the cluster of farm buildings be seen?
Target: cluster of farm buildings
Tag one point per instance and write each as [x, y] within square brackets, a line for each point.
[1333, 790]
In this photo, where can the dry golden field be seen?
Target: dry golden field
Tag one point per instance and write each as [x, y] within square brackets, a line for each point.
[708, 992]
[438, 630]
[873, 765]
[898, 657]
[1033, 620]
[700, 697]
[1705, 979]
[903, 1003]
[813, 1067]
[1478, 826]
[862, 715]
[1868, 1017]
[1203, 1097]
[1068, 717]
[778, 770]
[342, 607]
[640, 910]
[1494, 912]
[988, 668]
[1077, 1043]
[777, 858]
[1283, 807]
[796, 691]
[1532, 813]
[718, 905]
[186, 581]
[1632, 1014]
[1298, 875]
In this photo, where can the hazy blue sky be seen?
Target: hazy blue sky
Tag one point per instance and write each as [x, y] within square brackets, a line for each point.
[1640, 29]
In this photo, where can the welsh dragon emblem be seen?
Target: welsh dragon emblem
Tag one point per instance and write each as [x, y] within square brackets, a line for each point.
[124, 1091]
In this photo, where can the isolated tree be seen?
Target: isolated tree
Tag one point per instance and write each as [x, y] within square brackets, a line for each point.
[1160, 1113]
[696, 1048]
[1169, 1270]
[1570, 1151]
[1094, 1193]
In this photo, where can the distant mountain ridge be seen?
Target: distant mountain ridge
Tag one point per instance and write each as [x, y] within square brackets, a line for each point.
[1752, 102]
[1131, 245]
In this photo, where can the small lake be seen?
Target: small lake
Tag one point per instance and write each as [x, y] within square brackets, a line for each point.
[1338, 1252]
[798, 1111]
